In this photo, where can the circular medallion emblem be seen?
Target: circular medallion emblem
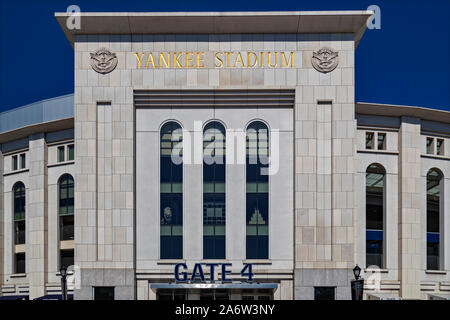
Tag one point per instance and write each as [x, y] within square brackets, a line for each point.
[325, 60]
[103, 61]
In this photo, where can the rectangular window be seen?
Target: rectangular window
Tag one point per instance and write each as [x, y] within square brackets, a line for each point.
[381, 139]
[440, 147]
[66, 228]
[430, 145]
[19, 262]
[61, 154]
[369, 140]
[22, 161]
[71, 152]
[14, 163]
[103, 293]
[170, 294]
[324, 293]
[19, 231]
[66, 258]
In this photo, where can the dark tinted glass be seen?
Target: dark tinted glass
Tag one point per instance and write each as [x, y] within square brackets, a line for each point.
[19, 232]
[66, 227]
[19, 201]
[324, 293]
[375, 181]
[71, 152]
[66, 194]
[257, 191]
[171, 191]
[19, 264]
[66, 258]
[434, 180]
[214, 209]
[103, 293]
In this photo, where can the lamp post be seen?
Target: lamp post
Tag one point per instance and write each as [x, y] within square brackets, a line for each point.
[356, 272]
[63, 272]
[357, 285]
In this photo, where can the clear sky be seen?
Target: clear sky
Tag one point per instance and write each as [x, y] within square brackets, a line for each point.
[405, 63]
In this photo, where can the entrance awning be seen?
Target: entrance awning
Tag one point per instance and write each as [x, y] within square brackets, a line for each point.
[15, 297]
[214, 285]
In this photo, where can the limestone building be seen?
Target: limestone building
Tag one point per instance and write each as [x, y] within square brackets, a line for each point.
[201, 151]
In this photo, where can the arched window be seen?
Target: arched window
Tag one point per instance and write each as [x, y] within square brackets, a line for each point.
[19, 213]
[214, 211]
[434, 190]
[375, 208]
[171, 191]
[19, 226]
[257, 191]
[66, 192]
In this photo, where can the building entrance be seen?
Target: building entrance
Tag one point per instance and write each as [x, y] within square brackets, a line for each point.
[214, 294]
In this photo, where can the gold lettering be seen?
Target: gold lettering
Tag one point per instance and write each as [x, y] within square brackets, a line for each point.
[189, 59]
[262, 61]
[150, 60]
[139, 58]
[239, 59]
[228, 58]
[218, 60]
[284, 61]
[200, 59]
[268, 60]
[176, 62]
[249, 64]
[163, 58]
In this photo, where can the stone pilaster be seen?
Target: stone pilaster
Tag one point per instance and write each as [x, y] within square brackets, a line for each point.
[36, 215]
[2, 213]
[324, 171]
[409, 236]
[104, 200]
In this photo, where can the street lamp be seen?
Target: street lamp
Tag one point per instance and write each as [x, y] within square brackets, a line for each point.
[357, 285]
[63, 272]
[356, 272]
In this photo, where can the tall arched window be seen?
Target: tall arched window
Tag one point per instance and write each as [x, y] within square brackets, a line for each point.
[19, 213]
[434, 189]
[257, 191]
[375, 193]
[66, 207]
[66, 191]
[19, 227]
[171, 191]
[214, 211]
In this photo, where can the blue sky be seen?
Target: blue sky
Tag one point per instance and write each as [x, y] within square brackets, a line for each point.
[405, 63]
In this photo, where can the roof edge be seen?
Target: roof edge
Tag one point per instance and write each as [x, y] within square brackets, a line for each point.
[250, 22]
[424, 113]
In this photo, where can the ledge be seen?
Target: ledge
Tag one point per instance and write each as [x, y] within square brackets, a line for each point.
[18, 275]
[434, 156]
[63, 163]
[69, 273]
[170, 261]
[9, 173]
[376, 270]
[378, 151]
[435, 272]
[257, 261]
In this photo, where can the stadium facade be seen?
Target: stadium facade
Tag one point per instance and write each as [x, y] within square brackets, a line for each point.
[222, 156]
